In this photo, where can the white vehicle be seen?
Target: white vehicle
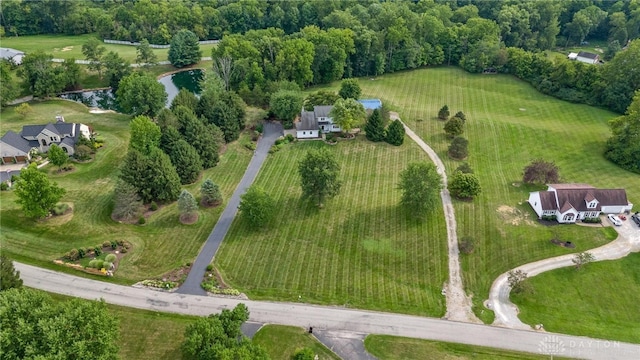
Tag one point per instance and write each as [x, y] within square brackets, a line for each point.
[614, 220]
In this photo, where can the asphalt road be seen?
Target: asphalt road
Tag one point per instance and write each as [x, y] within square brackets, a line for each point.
[192, 284]
[332, 318]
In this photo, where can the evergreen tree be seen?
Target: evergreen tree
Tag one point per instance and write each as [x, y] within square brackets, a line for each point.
[443, 114]
[202, 138]
[145, 54]
[185, 98]
[186, 161]
[165, 182]
[395, 133]
[184, 49]
[187, 203]
[454, 127]
[127, 204]
[374, 128]
[9, 277]
[461, 115]
[210, 193]
[170, 136]
[458, 148]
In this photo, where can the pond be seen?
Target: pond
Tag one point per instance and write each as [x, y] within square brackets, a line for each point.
[104, 99]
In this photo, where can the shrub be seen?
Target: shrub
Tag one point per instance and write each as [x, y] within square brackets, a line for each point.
[99, 264]
[114, 245]
[81, 253]
[4, 186]
[124, 250]
[59, 209]
[467, 245]
[250, 145]
[83, 152]
[107, 265]
[549, 217]
[209, 267]
[72, 255]
[110, 258]
[593, 220]
[274, 148]
[106, 244]
[289, 138]
[97, 250]
[260, 128]
[142, 220]
[92, 263]
[153, 206]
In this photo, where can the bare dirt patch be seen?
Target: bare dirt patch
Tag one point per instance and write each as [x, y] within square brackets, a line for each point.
[513, 216]
[188, 219]
[67, 48]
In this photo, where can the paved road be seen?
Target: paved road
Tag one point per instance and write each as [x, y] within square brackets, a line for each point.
[192, 284]
[331, 318]
[507, 313]
[458, 303]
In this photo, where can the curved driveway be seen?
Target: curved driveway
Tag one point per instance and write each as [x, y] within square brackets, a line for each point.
[330, 318]
[507, 313]
[208, 251]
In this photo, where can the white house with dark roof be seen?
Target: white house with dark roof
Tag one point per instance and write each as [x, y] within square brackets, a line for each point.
[313, 123]
[571, 202]
[17, 148]
[587, 57]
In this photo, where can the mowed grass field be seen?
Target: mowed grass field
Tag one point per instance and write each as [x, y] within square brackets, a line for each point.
[386, 347]
[67, 46]
[161, 245]
[600, 300]
[508, 124]
[361, 250]
[282, 342]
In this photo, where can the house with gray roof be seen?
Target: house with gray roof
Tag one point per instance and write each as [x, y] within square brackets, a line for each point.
[18, 148]
[569, 203]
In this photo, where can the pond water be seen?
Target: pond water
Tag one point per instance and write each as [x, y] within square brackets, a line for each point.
[104, 99]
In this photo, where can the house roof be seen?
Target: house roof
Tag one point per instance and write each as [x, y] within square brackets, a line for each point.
[578, 198]
[570, 186]
[16, 141]
[307, 121]
[322, 110]
[587, 55]
[68, 141]
[64, 128]
[8, 53]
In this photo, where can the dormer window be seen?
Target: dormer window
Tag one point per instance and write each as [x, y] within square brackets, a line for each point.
[592, 204]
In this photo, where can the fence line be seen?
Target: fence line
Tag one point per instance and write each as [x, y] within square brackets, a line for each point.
[154, 46]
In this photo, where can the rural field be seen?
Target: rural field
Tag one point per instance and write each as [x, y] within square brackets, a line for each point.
[399, 348]
[361, 250]
[508, 124]
[161, 245]
[70, 46]
[565, 300]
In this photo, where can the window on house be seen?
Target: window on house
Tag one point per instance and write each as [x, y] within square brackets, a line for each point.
[65, 149]
[568, 217]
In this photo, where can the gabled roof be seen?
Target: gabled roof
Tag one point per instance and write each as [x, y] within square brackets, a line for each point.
[68, 141]
[322, 110]
[8, 53]
[16, 141]
[64, 128]
[587, 55]
[570, 186]
[32, 130]
[589, 197]
[307, 121]
[548, 200]
[566, 207]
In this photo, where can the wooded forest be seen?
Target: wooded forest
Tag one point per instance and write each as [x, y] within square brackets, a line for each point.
[316, 42]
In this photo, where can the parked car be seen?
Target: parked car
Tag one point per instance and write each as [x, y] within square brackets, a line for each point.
[636, 218]
[614, 220]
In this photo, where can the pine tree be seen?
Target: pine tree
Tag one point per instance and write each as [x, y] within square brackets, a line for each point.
[186, 160]
[210, 193]
[126, 201]
[187, 203]
[395, 133]
[374, 128]
[9, 277]
[443, 114]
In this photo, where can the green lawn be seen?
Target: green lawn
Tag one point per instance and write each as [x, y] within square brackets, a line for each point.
[159, 246]
[508, 124]
[600, 300]
[361, 250]
[386, 347]
[282, 342]
[70, 46]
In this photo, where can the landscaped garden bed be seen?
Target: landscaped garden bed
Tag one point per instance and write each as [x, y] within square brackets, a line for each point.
[213, 283]
[101, 259]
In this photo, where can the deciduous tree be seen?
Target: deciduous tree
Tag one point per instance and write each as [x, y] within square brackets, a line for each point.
[39, 74]
[420, 184]
[319, 172]
[516, 280]
[458, 148]
[145, 135]
[582, 259]
[347, 113]
[184, 49]
[218, 336]
[286, 104]
[350, 89]
[256, 206]
[210, 193]
[141, 94]
[374, 129]
[36, 193]
[116, 68]
[464, 185]
[9, 276]
[145, 54]
[93, 51]
[8, 89]
[42, 328]
[395, 133]
[623, 147]
[541, 172]
[322, 97]
[57, 156]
